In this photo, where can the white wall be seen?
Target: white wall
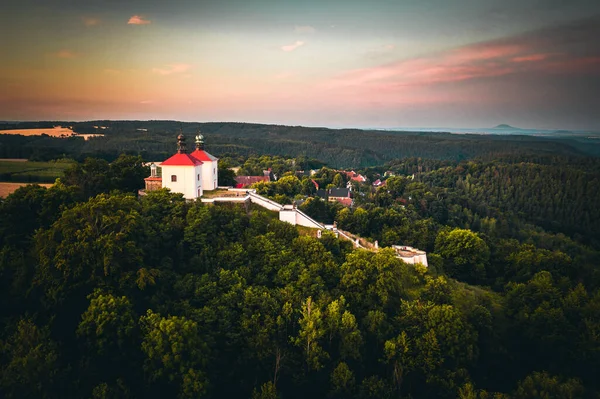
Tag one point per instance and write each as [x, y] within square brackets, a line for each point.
[264, 202]
[288, 215]
[294, 216]
[413, 260]
[187, 180]
[210, 171]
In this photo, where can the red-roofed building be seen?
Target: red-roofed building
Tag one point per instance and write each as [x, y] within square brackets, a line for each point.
[188, 174]
[245, 181]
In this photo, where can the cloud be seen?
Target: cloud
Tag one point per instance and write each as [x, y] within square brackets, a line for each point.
[147, 102]
[292, 47]
[66, 54]
[138, 20]
[531, 58]
[305, 29]
[90, 21]
[172, 69]
[570, 49]
[111, 71]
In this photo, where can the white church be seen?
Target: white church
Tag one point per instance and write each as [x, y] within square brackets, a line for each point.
[188, 174]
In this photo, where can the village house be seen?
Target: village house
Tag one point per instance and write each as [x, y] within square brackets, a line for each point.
[247, 181]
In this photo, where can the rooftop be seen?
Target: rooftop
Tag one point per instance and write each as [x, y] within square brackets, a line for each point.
[181, 160]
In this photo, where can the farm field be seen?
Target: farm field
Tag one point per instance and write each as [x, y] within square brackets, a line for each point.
[9, 188]
[57, 131]
[31, 172]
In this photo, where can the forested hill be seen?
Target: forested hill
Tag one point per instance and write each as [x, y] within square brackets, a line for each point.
[338, 148]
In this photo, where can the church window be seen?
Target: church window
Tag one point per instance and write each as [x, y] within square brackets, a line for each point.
[173, 178]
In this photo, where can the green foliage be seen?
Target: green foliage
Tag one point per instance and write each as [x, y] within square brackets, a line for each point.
[544, 386]
[108, 323]
[465, 254]
[236, 303]
[174, 352]
[25, 172]
[31, 357]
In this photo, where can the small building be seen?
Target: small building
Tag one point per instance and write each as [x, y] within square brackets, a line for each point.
[341, 195]
[321, 193]
[410, 255]
[352, 175]
[378, 183]
[338, 193]
[154, 181]
[246, 181]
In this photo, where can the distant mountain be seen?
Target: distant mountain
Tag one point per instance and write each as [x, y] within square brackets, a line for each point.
[505, 126]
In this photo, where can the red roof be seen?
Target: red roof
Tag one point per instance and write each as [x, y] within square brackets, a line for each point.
[344, 201]
[242, 181]
[153, 178]
[203, 156]
[182, 160]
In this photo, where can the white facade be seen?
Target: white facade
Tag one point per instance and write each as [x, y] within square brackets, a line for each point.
[188, 180]
[410, 255]
[209, 175]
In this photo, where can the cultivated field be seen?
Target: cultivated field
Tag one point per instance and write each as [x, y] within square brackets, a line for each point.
[47, 172]
[57, 131]
[9, 188]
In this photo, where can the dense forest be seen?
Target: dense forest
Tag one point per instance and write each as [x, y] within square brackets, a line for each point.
[154, 140]
[107, 295]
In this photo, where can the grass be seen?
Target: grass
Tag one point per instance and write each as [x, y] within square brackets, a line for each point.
[11, 171]
[307, 231]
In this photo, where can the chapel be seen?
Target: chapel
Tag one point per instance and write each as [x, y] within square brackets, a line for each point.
[187, 173]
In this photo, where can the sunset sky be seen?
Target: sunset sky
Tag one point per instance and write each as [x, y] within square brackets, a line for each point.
[377, 63]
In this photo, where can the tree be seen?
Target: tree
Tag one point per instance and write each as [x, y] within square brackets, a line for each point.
[338, 180]
[465, 254]
[108, 323]
[226, 175]
[342, 381]
[543, 386]
[95, 242]
[31, 366]
[174, 353]
[310, 332]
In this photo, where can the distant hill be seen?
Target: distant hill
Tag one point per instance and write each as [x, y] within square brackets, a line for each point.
[351, 148]
[505, 126]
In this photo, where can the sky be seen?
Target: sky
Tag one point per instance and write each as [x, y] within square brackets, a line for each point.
[378, 63]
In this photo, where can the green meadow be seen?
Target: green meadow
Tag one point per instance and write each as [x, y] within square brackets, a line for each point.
[46, 172]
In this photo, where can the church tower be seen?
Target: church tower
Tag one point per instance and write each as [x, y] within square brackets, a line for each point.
[210, 165]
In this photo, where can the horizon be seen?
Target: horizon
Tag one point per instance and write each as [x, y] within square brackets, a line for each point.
[436, 129]
[533, 64]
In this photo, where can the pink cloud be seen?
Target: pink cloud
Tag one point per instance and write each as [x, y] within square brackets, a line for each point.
[531, 58]
[138, 20]
[172, 69]
[292, 47]
[65, 54]
[89, 21]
